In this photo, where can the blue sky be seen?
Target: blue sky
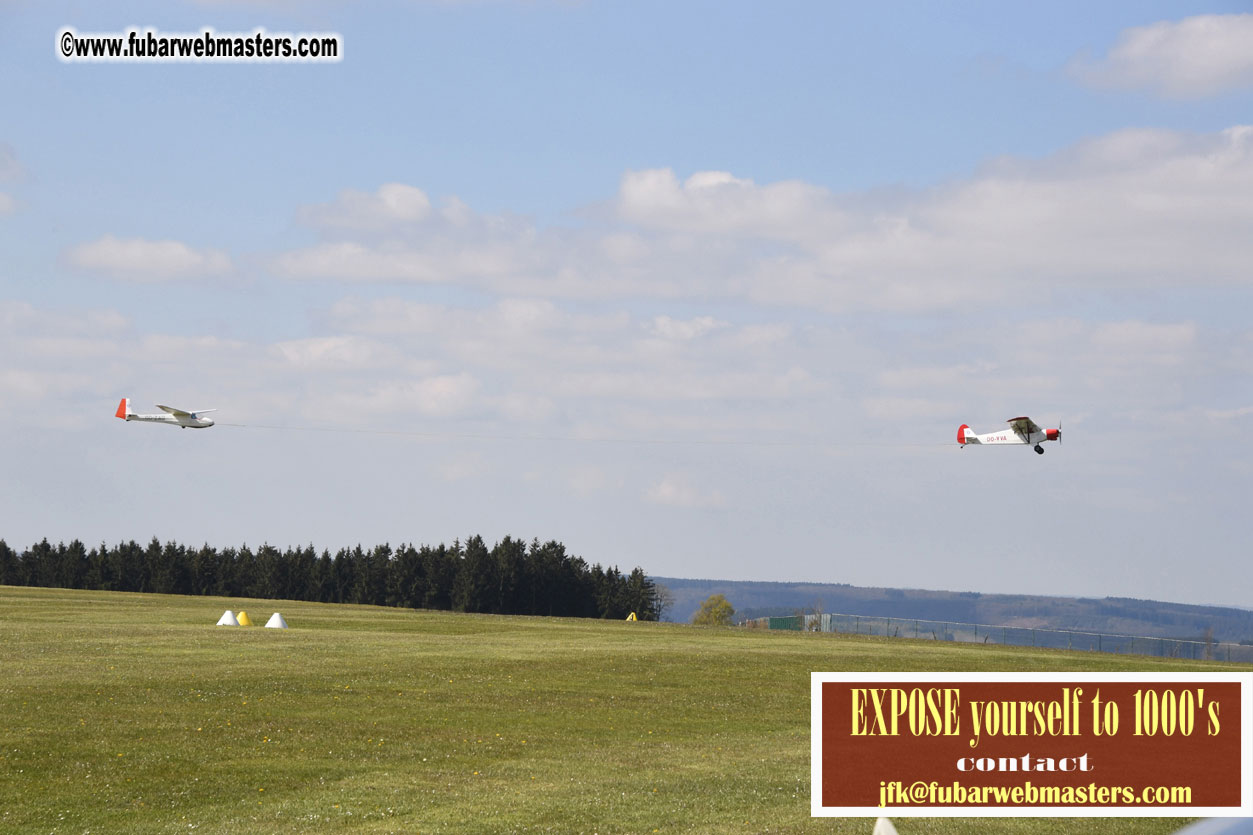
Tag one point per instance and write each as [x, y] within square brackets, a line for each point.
[700, 287]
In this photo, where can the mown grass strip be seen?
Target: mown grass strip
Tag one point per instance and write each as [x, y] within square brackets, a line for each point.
[134, 713]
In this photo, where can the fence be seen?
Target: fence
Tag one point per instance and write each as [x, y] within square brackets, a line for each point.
[1018, 636]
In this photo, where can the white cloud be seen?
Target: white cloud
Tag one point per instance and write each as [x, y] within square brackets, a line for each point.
[181, 344]
[1141, 341]
[589, 480]
[902, 410]
[677, 490]
[1129, 211]
[10, 171]
[23, 320]
[526, 315]
[391, 205]
[690, 382]
[550, 370]
[717, 203]
[1229, 414]
[1046, 368]
[335, 353]
[400, 317]
[1135, 209]
[10, 168]
[444, 395]
[386, 317]
[525, 407]
[462, 467]
[34, 386]
[352, 261]
[684, 330]
[73, 348]
[593, 355]
[141, 260]
[51, 359]
[517, 367]
[1186, 59]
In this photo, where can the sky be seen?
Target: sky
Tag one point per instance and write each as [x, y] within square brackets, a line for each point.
[701, 287]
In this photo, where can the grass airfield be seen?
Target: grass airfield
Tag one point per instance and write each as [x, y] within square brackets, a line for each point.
[127, 713]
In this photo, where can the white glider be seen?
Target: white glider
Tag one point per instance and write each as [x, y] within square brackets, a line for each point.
[1022, 430]
[172, 416]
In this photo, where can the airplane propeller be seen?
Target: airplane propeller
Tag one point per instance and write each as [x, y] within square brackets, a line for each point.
[1053, 434]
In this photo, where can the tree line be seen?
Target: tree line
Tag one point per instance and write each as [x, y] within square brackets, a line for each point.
[510, 578]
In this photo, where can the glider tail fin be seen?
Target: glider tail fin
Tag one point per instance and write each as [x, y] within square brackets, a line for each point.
[124, 408]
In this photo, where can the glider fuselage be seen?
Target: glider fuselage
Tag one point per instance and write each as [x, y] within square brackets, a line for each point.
[186, 423]
[174, 417]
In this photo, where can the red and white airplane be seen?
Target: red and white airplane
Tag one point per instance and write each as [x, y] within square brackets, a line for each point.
[1022, 430]
[172, 416]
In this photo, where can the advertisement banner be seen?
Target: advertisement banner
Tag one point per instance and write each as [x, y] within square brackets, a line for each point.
[1019, 744]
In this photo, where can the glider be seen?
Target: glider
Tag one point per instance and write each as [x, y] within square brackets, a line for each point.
[172, 416]
[1022, 430]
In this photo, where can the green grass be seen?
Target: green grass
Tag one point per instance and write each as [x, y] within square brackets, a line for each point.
[134, 713]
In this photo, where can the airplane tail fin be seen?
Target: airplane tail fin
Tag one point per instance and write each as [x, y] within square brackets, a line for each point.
[124, 408]
[966, 435]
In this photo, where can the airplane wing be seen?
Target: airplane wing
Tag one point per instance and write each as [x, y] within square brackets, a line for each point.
[1024, 426]
[181, 413]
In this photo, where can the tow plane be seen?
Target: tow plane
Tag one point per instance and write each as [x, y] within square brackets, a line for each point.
[172, 416]
[1022, 430]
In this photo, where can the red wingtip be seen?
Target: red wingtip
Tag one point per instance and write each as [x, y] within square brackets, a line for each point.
[121, 409]
[961, 433]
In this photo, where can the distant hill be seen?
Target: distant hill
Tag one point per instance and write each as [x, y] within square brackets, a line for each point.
[1112, 615]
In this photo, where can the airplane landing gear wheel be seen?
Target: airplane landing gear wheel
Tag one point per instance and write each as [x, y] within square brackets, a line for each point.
[1039, 450]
